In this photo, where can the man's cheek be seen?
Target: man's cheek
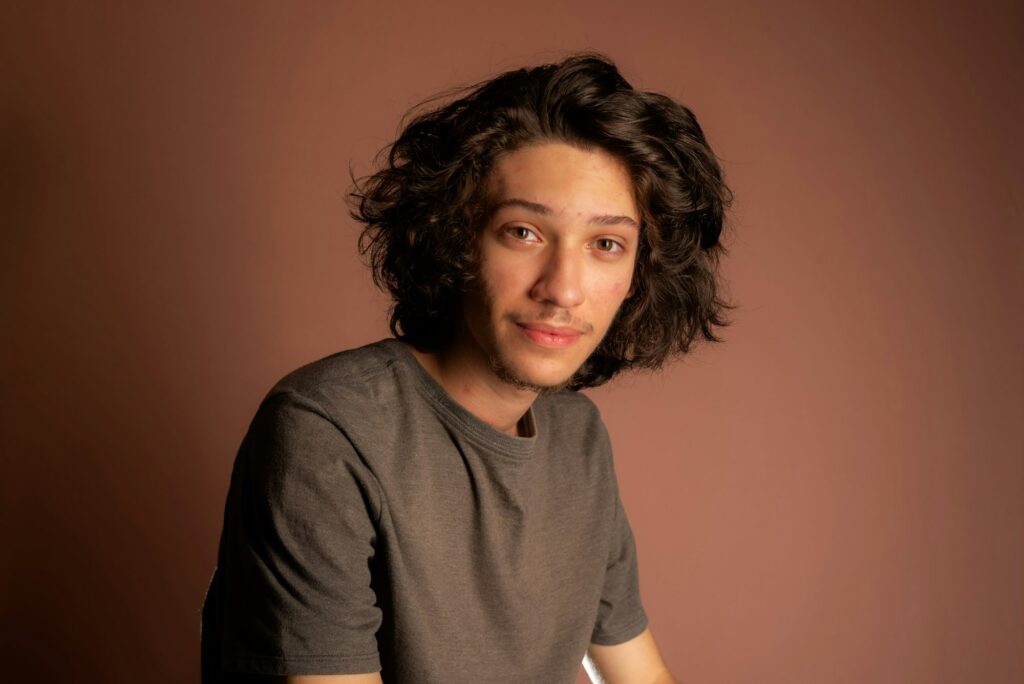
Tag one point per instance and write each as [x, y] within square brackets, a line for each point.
[502, 285]
[612, 293]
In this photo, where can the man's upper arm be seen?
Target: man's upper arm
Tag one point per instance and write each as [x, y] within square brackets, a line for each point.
[637, 661]
[620, 613]
[298, 538]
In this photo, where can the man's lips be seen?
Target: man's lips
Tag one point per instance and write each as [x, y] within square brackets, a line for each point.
[552, 336]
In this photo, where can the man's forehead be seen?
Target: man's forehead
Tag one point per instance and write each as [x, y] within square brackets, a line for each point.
[533, 183]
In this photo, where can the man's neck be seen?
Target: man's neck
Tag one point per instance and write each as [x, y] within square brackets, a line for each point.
[471, 382]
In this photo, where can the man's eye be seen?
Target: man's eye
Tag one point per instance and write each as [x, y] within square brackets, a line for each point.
[521, 233]
[607, 245]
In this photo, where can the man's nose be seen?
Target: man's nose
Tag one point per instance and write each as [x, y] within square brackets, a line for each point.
[560, 281]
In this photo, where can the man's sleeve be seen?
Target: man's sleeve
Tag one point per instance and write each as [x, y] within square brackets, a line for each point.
[299, 537]
[620, 614]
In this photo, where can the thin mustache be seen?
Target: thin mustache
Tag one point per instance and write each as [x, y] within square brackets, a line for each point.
[556, 318]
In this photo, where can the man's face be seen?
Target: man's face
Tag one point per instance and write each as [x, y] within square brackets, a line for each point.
[556, 261]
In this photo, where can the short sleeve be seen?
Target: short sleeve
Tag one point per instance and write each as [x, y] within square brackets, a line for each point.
[296, 552]
[620, 614]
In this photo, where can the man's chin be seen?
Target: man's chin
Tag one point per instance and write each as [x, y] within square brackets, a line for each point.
[532, 382]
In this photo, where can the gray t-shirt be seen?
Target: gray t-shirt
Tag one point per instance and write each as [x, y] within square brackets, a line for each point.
[373, 523]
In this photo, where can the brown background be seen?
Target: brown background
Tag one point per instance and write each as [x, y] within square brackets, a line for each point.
[834, 495]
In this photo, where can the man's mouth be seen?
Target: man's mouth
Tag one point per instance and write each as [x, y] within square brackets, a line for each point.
[551, 336]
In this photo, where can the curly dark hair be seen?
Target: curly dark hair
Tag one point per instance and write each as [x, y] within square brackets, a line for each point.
[423, 209]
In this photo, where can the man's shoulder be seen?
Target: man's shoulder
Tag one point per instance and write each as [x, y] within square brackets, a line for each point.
[570, 403]
[571, 412]
[343, 377]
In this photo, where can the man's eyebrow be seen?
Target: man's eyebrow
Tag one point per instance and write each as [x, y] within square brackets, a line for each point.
[544, 210]
[611, 220]
[525, 204]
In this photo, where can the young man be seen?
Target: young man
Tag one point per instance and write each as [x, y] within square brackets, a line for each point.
[442, 507]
